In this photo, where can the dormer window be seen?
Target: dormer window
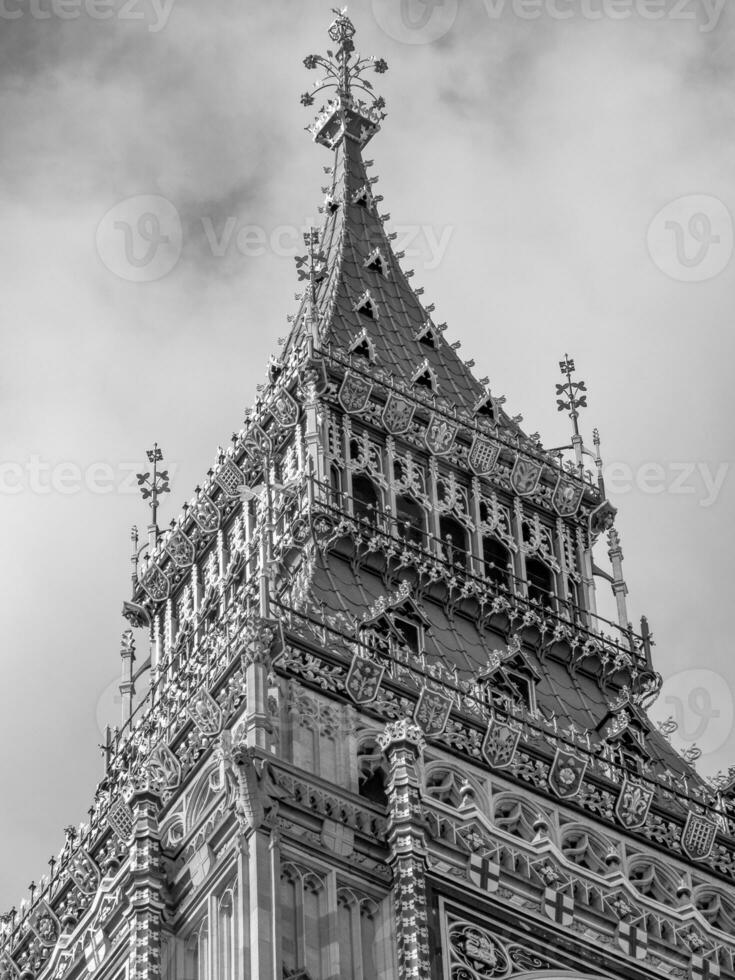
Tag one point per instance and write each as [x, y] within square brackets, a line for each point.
[427, 336]
[376, 262]
[485, 408]
[362, 346]
[366, 306]
[514, 679]
[361, 196]
[424, 377]
[410, 632]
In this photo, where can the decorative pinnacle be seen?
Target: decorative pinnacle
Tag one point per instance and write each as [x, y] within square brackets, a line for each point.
[344, 74]
[315, 272]
[153, 485]
[571, 390]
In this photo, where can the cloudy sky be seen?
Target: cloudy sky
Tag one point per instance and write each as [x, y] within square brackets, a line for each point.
[561, 171]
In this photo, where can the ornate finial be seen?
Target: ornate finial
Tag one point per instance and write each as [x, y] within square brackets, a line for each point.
[315, 272]
[571, 403]
[571, 389]
[153, 485]
[345, 114]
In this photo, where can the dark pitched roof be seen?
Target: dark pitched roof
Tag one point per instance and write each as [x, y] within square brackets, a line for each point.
[362, 287]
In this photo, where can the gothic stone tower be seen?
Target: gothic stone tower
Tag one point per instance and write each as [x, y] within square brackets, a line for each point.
[386, 736]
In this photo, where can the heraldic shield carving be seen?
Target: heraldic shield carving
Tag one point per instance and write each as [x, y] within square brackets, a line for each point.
[155, 583]
[363, 679]
[285, 409]
[566, 497]
[205, 514]
[397, 414]
[633, 804]
[432, 712]
[206, 714]
[483, 456]
[180, 549]
[566, 774]
[45, 924]
[698, 837]
[440, 434]
[229, 477]
[500, 744]
[525, 475]
[354, 392]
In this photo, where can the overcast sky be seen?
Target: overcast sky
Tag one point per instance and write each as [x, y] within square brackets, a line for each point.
[566, 183]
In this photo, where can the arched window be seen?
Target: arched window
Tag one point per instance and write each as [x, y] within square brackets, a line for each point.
[497, 561]
[226, 951]
[335, 483]
[361, 955]
[365, 499]
[304, 933]
[411, 520]
[371, 773]
[196, 954]
[540, 582]
[454, 540]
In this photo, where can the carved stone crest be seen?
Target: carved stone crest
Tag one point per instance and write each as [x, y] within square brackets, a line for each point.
[83, 872]
[632, 938]
[500, 743]
[698, 837]
[633, 804]
[566, 774]
[120, 819]
[354, 393]
[525, 476]
[432, 712]
[155, 582]
[205, 514]
[484, 872]
[205, 713]
[285, 409]
[397, 414]
[163, 768]
[181, 549]
[440, 434]
[567, 497]
[45, 924]
[363, 679]
[483, 456]
[229, 477]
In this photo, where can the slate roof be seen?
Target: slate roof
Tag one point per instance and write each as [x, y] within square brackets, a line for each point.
[577, 698]
[351, 234]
